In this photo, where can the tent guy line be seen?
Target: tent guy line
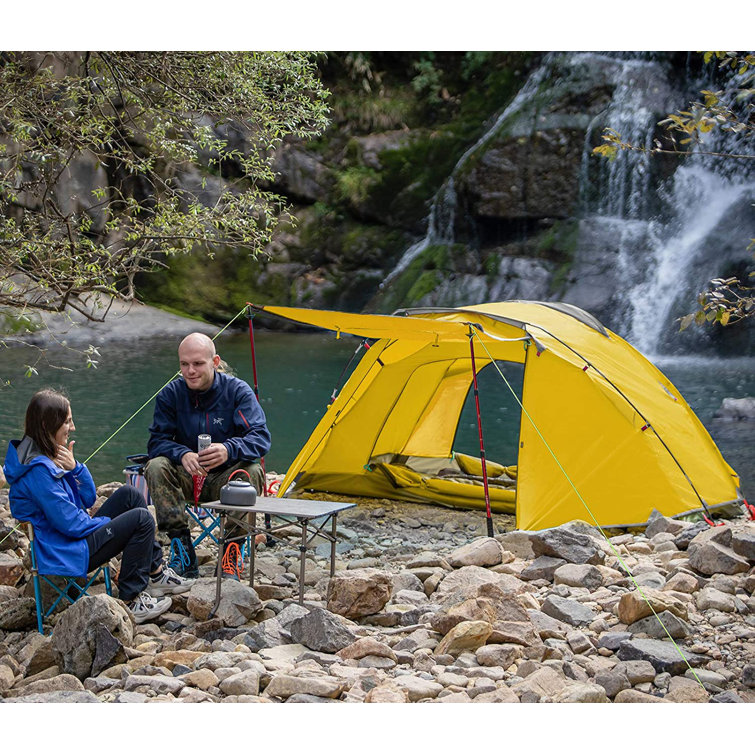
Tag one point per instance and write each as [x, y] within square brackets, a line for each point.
[172, 377]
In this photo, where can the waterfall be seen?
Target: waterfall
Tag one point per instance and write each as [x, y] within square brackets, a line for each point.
[663, 254]
[701, 199]
[442, 217]
[654, 230]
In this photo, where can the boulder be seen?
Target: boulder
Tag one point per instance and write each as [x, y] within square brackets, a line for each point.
[743, 542]
[91, 634]
[578, 575]
[485, 551]
[358, 593]
[714, 558]
[736, 409]
[7, 678]
[636, 605]
[689, 533]
[418, 688]
[322, 631]
[366, 646]
[582, 692]
[664, 656]
[468, 635]
[710, 598]
[473, 609]
[465, 582]
[11, 568]
[244, 683]
[285, 685]
[635, 696]
[569, 611]
[518, 543]
[238, 602]
[58, 683]
[502, 655]
[18, 614]
[543, 683]
[664, 625]
[388, 692]
[658, 523]
[563, 542]
[543, 567]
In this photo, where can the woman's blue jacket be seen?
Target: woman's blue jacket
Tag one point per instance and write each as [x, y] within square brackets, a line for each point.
[56, 503]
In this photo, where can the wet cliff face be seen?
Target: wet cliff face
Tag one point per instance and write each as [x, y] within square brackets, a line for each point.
[479, 183]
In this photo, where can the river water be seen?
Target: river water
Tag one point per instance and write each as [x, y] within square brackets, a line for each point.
[297, 374]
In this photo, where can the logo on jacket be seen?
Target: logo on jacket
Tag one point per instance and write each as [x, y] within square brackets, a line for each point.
[109, 531]
[217, 421]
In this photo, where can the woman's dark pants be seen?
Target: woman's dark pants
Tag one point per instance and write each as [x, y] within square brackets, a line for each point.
[131, 530]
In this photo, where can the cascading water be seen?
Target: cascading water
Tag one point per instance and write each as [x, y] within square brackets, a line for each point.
[663, 228]
[662, 254]
[442, 218]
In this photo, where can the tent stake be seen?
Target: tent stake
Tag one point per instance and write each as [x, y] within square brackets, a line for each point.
[479, 430]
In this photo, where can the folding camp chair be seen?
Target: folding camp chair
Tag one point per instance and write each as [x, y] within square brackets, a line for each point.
[208, 522]
[70, 591]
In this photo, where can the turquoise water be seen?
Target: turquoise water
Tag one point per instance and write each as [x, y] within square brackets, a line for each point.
[297, 374]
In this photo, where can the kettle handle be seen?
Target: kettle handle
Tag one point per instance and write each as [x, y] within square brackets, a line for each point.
[237, 471]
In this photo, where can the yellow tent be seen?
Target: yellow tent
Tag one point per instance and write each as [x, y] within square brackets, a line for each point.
[604, 437]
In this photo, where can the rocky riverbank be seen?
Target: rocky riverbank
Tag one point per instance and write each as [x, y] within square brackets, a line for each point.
[424, 607]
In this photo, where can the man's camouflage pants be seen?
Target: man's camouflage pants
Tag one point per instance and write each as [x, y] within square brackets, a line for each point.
[172, 487]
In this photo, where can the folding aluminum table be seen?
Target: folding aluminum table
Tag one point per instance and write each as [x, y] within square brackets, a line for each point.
[311, 518]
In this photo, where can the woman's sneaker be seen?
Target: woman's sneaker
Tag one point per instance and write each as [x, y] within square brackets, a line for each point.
[168, 583]
[145, 607]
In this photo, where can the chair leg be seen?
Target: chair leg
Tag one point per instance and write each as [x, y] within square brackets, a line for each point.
[38, 601]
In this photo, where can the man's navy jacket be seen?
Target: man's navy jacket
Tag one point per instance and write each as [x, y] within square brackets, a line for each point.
[228, 411]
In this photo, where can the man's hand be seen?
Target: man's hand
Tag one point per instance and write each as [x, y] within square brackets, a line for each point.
[213, 456]
[190, 462]
[64, 457]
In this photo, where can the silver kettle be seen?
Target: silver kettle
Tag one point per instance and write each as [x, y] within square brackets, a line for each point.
[238, 492]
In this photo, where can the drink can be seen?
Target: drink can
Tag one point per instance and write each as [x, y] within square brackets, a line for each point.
[203, 441]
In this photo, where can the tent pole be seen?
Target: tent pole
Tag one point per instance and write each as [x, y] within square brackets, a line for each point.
[250, 316]
[479, 430]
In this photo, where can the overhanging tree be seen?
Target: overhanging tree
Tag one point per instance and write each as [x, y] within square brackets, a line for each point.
[177, 144]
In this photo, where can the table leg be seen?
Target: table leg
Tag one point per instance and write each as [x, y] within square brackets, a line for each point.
[303, 562]
[333, 545]
[252, 547]
[219, 570]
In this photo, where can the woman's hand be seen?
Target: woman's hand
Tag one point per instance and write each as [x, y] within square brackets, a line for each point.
[64, 457]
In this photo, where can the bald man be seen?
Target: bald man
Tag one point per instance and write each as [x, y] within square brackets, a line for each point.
[202, 401]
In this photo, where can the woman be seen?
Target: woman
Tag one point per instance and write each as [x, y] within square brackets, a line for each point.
[50, 489]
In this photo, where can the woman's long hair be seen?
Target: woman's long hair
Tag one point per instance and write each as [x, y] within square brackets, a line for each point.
[45, 415]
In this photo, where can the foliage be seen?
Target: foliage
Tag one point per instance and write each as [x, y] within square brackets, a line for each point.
[727, 302]
[155, 129]
[731, 110]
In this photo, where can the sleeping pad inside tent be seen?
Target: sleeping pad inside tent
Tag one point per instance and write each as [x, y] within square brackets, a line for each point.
[604, 436]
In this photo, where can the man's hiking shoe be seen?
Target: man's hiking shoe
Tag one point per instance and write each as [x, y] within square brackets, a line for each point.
[145, 607]
[183, 559]
[168, 583]
[232, 562]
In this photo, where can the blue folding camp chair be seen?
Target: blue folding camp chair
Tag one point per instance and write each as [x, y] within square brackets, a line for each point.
[208, 522]
[70, 591]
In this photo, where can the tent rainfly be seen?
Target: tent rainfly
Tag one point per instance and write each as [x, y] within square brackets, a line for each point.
[605, 437]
